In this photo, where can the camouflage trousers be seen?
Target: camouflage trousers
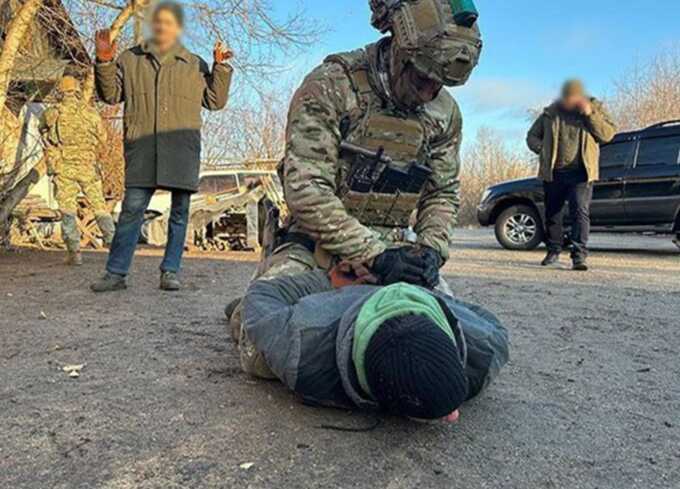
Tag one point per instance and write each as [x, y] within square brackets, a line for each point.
[83, 178]
[290, 259]
[69, 184]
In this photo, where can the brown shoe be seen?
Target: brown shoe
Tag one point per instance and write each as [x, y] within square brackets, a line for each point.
[233, 315]
[74, 259]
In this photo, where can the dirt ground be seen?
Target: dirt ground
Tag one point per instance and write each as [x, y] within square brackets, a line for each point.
[591, 398]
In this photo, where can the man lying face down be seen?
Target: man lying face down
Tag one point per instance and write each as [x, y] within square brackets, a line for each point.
[400, 349]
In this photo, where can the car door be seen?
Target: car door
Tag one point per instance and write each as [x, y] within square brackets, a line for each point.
[615, 160]
[652, 190]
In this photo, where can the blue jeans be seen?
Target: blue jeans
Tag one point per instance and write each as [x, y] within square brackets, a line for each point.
[129, 228]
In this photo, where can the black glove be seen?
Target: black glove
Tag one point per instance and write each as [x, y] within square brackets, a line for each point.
[433, 262]
[399, 265]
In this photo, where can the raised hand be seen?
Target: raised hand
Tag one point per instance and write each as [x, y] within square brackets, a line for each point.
[105, 49]
[222, 53]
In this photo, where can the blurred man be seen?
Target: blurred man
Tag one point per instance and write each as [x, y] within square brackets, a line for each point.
[567, 138]
[73, 132]
[401, 349]
[164, 87]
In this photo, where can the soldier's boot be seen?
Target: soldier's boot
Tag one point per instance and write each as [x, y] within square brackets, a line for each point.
[170, 282]
[109, 283]
[69, 230]
[252, 361]
[107, 227]
[233, 315]
[73, 258]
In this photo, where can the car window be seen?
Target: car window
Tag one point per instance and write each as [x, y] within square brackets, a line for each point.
[659, 151]
[617, 155]
[217, 183]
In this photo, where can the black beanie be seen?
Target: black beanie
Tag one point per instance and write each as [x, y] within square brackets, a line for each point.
[414, 369]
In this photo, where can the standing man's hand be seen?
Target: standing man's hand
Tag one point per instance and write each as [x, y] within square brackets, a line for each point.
[222, 53]
[105, 49]
[585, 107]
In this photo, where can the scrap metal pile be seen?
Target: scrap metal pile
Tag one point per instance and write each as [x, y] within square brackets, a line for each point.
[227, 217]
[231, 220]
[222, 219]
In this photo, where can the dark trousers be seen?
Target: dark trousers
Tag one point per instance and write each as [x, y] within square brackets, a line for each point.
[574, 189]
[129, 228]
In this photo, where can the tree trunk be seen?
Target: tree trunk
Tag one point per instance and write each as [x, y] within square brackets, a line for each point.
[15, 33]
[16, 30]
[16, 195]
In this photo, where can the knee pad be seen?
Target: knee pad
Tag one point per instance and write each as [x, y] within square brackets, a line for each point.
[70, 232]
[106, 226]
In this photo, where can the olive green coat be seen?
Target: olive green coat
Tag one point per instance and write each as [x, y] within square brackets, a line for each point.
[597, 129]
[162, 116]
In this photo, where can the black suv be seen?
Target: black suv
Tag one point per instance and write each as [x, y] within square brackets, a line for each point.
[638, 191]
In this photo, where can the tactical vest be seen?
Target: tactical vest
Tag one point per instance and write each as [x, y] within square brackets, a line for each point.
[378, 126]
[74, 131]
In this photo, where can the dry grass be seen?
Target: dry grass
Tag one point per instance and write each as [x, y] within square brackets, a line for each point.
[489, 161]
[648, 92]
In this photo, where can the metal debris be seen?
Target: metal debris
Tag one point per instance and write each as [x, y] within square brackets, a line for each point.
[73, 370]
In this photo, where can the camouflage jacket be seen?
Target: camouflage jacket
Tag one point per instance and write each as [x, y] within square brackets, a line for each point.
[73, 131]
[339, 101]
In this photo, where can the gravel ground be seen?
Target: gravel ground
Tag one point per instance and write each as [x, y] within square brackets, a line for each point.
[590, 399]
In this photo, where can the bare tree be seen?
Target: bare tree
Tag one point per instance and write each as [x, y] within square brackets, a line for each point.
[16, 30]
[252, 130]
[263, 40]
[486, 162]
[648, 92]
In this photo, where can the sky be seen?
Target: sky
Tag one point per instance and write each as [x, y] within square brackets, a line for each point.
[530, 48]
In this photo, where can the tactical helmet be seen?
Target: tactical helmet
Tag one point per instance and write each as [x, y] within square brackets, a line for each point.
[69, 84]
[434, 43]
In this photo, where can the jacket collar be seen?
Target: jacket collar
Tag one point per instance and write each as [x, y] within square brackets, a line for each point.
[179, 51]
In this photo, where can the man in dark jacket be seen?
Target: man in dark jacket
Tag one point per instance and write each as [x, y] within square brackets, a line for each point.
[402, 349]
[567, 138]
[164, 87]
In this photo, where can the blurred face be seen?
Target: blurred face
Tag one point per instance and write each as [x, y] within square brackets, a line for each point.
[573, 95]
[571, 101]
[165, 29]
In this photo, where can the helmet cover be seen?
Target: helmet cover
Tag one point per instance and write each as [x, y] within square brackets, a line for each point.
[433, 42]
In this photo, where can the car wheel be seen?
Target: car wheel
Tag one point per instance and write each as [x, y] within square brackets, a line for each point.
[519, 228]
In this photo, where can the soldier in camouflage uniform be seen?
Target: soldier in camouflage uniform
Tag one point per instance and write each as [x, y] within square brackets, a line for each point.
[387, 98]
[372, 138]
[72, 131]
